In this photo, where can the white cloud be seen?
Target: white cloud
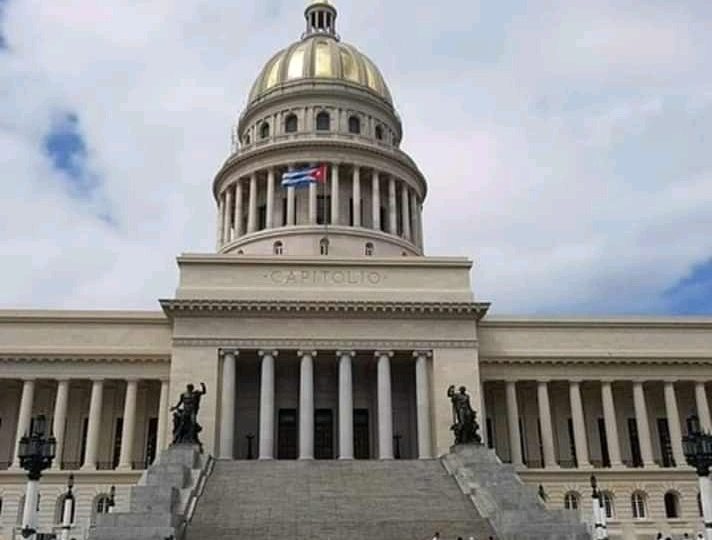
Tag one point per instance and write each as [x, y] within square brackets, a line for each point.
[520, 115]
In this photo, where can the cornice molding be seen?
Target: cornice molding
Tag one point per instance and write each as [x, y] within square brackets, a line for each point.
[325, 344]
[594, 357]
[644, 323]
[416, 310]
[83, 358]
[100, 317]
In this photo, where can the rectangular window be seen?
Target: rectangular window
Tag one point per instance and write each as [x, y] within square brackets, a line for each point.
[262, 217]
[284, 212]
[665, 442]
[118, 432]
[522, 441]
[572, 441]
[603, 441]
[83, 447]
[490, 433]
[384, 218]
[541, 443]
[634, 443]
[323, 209]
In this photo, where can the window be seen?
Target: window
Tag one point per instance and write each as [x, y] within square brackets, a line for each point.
[247, 138]
[369, 249]
[323, 209]
[291, 124]
[103, 504]
[324, 246]
[379, 133]
[665, 442]
[151, 441]
[571, 501]
[637, 502]
[323, 121]
[672, 505]
[603, 441]
[118, 433]
[278, 248]
[634, 443]
[264, 130]
[59, 511]
[608, 506]
[572, 442]
[354, 125]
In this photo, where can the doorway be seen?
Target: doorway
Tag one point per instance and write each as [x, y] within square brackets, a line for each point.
[323, 434]
[287, 434]
[362, 442]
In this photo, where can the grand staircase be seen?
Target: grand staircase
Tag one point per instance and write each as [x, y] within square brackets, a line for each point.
[330, 500]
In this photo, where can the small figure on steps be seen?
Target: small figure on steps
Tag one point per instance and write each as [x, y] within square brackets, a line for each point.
[185, 416]
[464, 418]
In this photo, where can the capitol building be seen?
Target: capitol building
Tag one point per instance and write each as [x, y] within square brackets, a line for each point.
[323, 331]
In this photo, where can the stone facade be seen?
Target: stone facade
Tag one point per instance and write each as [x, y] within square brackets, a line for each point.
[318, 303]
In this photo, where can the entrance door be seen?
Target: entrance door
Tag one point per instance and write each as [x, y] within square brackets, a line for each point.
[287, 434]
[323, 434]
[362, 446]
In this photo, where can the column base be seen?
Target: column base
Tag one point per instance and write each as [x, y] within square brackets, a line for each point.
[265, 458]
[89, 468]
[306, 458]
[347, 458]
[651, 465]
[124, 467]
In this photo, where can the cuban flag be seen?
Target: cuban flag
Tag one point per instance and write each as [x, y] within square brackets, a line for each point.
[304, 176]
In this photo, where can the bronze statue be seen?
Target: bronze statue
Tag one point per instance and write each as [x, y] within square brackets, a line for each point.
[185, 416]
[464, 417]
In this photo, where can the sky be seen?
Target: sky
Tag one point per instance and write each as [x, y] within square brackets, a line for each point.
[567, 145]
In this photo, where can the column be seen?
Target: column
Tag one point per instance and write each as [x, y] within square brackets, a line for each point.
[163, 412]
[673, 417]
[422, 404]
[357, 196]
[59, 422]
[376, 200]
[641, 420]
[579, 423]
[414, 218]
[220, 221]
[611, 424]
[129, 426]
[227, 216]
[421, 237]
[312, 203]
[291, 210]
[269, 220]
[266, 445]
[227, 405]
[306, 405]
[94, 427]
[346, 405]
[252, 211]
[405, 210]
[547, 433]
[25, 415]
[334, 193]
[385, 409]
[392, 215]
[703, 408]
[515, 437]
[239, 212]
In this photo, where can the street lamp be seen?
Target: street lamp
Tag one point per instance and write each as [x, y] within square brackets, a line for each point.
[600, 527]
[36, 453]
[68, 510]
[697, 447]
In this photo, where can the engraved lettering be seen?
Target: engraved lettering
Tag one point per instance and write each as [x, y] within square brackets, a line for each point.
[325, 277]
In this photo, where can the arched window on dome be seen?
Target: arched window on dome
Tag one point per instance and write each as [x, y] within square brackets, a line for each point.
[379, 133]
[323, 121]
[638, 505]
[369, 249]
[264, 130]
[324, 246]
[572, 501]
[247, 139]
[355, 125]
[278, 248]
[672, 505]
[291, 124]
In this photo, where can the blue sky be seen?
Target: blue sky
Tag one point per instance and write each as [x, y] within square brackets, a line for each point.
[565, 143]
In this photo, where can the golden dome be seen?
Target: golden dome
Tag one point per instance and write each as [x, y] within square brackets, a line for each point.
[320, 57]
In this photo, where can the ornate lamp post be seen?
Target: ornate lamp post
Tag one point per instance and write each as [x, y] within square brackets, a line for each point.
[697, 447]
[600, 527]
[36, 453]
[68, 510]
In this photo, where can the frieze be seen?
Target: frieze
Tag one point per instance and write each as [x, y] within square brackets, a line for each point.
[319, 344]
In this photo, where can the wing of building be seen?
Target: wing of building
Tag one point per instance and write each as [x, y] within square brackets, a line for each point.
[322, 330]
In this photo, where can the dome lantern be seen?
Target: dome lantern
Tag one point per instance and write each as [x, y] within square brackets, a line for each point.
[321, 19]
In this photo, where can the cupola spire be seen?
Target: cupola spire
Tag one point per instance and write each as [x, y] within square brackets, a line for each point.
[321, 19]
